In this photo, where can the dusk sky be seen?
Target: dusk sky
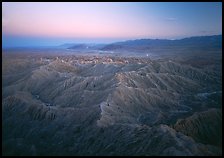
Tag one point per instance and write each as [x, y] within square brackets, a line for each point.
[45, 24]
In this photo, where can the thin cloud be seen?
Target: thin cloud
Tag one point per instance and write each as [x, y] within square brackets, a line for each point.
[171, 19]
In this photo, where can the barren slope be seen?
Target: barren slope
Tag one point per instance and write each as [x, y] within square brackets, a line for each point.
[74, 106]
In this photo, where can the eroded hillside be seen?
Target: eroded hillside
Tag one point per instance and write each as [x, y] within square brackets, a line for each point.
[110, 105]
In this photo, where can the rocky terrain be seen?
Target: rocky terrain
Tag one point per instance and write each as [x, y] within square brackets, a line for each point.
[110, 105]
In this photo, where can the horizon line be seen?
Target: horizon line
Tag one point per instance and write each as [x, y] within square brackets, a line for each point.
[98, 43]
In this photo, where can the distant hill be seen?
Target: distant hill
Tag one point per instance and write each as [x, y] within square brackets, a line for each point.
[79, 46]
[67, 45]
[85, 46]
[139, 44]
[215, 40]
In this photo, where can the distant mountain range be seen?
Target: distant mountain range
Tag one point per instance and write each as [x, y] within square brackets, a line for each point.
[136, 45]
[141, 44]
[199, 41]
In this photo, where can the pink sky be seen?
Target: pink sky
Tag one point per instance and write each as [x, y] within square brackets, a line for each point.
[111, 20]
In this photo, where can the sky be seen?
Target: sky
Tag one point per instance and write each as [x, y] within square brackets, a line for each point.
[55, 23]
